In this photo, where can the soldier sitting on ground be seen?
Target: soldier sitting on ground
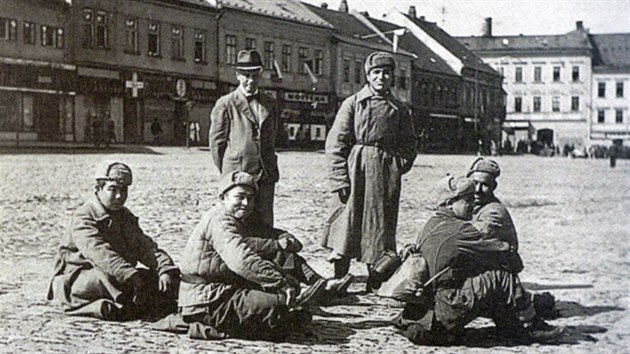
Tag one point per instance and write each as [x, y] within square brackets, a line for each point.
[96, 270]
[472, 276]
[240, 277]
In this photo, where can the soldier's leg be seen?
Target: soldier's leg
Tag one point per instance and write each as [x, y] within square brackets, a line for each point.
[93, 294]
[250, 313]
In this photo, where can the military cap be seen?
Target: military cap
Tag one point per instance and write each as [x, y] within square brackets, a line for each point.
[451, 187]
[114, 171]
[249, 60]
[488, 168]
[379, 60]
[237, 178]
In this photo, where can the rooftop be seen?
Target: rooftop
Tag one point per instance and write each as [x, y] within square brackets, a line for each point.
[611, 52]
[292, 10]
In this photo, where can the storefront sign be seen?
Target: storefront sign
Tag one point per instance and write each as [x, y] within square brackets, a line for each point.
[293, 96]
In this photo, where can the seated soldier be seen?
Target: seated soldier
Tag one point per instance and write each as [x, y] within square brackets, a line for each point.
[96, 270]
[475, 277]
[240, 277]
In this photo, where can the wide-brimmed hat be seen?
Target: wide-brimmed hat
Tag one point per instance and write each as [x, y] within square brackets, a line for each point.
[249, 60]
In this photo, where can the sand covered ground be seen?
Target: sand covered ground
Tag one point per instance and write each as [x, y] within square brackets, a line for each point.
[572, 216]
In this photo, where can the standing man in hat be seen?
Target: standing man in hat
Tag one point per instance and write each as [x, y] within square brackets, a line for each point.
[243, 129]
[371, 145]
[96, 270]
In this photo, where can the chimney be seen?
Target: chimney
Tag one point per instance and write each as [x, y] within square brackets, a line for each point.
[365, 14]
[324, 5]
[421, 18]
[343, 7]
[487, 28]
[412, 11]
[579, 25]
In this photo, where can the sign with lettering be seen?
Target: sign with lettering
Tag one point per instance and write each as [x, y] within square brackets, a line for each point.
[305, 97]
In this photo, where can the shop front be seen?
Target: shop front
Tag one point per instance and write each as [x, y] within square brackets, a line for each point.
[36, 101]
[304, 119]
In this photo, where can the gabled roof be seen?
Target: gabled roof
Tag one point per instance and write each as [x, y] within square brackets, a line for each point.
[292, 10]
[350, 29]
[465, 55]
[426, 59]
[611, 52]
[536, 43]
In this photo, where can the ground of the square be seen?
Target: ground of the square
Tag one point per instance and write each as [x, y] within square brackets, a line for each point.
[572, 217]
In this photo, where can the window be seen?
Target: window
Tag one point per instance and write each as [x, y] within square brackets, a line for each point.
[346, 70]
[556, 73]
[319, 62]
[555, 103]
[29, 33]
[357, 71]
[8, 29]
[269, 55]
[601, 116]
[250, 43]
[518, 104]
[177, 42]
[537, 103]
[518, 75]
[200, 47]
[101, 30]
[48, 35]
[286, 57]
[403, 80]
[618, 116]
[230, 49]
[88, 28]
[601, 89]
[575, 103]
[575, 73]
[59, 38]
[619, 89]
[131, 35]
[302, 54]
[154, 39]
[537, 74]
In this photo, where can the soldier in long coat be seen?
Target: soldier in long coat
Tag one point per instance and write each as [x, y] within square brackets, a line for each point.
[242, 132]
[371, 145]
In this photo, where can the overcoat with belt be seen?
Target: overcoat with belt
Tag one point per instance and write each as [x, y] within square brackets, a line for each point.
[242, 137]
[370, 146]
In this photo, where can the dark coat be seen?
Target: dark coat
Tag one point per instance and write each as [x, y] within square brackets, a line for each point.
[114, 243]
[239, 141]
[370, 146]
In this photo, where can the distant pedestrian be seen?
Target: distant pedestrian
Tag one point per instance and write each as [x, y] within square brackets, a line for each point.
[156, 131]
[242, 132]
[97, 131]
[371, 145]
[96, 271]
[110, 132]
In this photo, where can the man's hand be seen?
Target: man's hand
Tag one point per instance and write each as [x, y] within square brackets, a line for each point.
[289, 243]
[407, 251]
[344, 194]
[168, 283]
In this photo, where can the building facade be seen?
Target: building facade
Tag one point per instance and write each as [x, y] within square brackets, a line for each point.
[547, 84]
[610, 116]
[36, 72]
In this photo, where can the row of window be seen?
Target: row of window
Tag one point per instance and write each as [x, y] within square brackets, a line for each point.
[538, 71]
[96, 35]
[50, 36]
[601, 89]
[306, 62]
[601, 116]
[555, 104]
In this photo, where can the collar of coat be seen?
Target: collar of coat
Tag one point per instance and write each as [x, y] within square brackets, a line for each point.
[366, 92]
[240, 101]
[98, 211]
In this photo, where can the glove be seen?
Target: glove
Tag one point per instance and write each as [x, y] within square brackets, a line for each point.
[344, 194]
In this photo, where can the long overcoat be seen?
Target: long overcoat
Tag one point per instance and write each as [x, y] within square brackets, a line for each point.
[370, 146]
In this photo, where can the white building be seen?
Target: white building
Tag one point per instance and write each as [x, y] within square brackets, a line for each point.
[610, 117]
[547, 82]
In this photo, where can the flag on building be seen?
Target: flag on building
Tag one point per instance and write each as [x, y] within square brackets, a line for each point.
[276, 66]
[307, 67]
[397, 33]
